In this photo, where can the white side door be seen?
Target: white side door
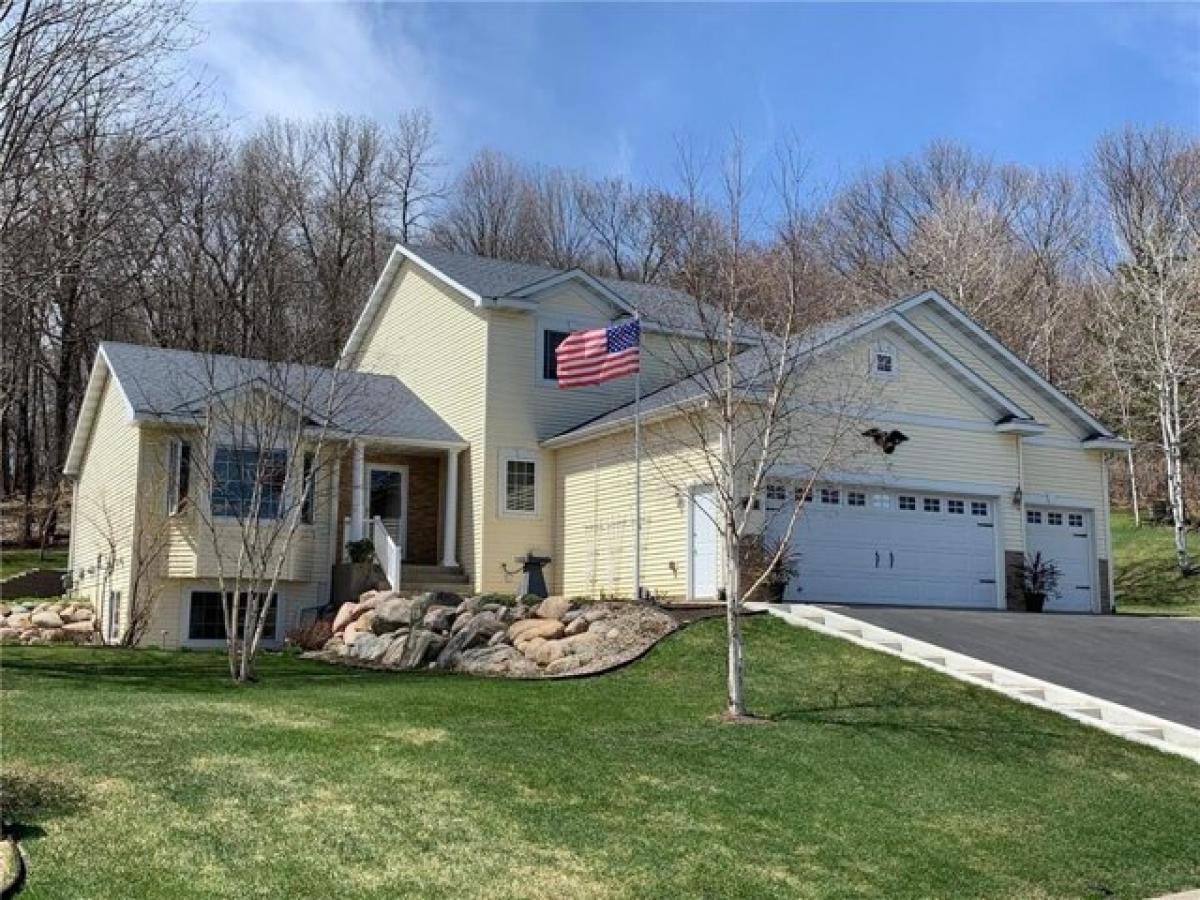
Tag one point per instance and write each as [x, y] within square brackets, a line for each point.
[1064, 536]
[702, 573]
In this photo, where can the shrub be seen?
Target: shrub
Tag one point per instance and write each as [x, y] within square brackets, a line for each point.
[312, 636]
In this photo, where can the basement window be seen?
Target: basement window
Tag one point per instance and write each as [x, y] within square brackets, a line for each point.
[206, 617]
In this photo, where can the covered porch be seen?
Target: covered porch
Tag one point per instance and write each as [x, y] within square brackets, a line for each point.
[404, 497]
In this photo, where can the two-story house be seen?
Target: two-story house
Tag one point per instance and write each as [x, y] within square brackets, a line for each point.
[468, 455]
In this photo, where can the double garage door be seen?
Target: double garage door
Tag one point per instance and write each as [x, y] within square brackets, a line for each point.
[874, 545]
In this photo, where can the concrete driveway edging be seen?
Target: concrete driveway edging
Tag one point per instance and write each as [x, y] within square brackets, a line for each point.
[1122, 721]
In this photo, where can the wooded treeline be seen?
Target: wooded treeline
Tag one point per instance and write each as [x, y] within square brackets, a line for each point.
[129, 211]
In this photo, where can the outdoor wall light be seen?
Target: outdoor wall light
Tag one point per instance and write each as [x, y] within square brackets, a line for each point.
[1017, 495]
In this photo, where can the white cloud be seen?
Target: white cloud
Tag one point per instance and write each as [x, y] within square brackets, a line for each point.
[307, 59]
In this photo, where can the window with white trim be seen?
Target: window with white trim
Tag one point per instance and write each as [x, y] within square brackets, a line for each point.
[206, 616]
[248, 482]
[776, 496]
[309, 486]
[907, 502]
[518, 483]
[831, 496]
[179, 475]
[1075, 520]
[1033, 516]
[932, 504]
[883, 361]
[551, 338]
[979, 508]
[1054, 518]
[856, 498]
[803, 494]
[955, 507]
[881, 501]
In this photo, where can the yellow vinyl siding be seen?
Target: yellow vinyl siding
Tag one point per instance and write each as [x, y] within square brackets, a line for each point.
[436, 342]
[998, 373]
[107, 501]
[596, 509]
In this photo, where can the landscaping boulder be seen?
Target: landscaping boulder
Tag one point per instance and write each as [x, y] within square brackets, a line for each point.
[370, 647]
[461, 621]
[595, 613]
[527, 629]
[47, 618]
[496, 661]
[439, 618]
[9, 634]
[470, 605]
[553, 608]
[477, 631]
[419, 646]
[19, 620]
[396, 612]
[578, 625]
[79, 628]
[562, 665]
[500, 637]
[345, 615]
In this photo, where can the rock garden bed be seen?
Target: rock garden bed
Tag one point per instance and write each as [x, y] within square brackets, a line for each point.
[31, 622]
[532, 638]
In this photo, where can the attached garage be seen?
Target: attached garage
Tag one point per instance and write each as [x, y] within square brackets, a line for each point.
[874, 544]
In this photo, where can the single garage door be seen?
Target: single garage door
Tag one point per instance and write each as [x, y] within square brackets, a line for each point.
[876, 545]
[1064, 536]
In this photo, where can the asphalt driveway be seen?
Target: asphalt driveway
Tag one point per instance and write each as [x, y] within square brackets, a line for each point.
[1149, 664]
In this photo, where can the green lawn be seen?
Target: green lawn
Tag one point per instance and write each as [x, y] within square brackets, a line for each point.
[144, 774]
[1147, 580]
[13, 562]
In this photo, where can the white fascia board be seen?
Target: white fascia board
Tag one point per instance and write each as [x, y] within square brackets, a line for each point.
[984, 336]
[1107, 443]
[1029, 428]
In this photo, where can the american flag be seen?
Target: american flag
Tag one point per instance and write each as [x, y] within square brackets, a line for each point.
[593, 357]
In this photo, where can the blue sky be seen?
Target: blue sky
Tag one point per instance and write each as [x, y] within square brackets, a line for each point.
[610, 88]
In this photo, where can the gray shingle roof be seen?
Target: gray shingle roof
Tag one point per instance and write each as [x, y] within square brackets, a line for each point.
[162, 383]
[750, 365]
[501, 278]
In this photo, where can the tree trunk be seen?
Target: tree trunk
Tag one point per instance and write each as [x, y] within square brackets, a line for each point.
[1169, 420]
[1134, 499]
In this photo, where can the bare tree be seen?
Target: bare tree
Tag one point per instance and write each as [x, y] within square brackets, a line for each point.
[413, 169]
[484, 215]
[752, 397]
[1150, 182]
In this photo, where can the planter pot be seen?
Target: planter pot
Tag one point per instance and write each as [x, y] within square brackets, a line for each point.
[1035, 602]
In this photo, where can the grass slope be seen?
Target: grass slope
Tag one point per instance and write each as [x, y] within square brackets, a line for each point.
[144, 774]
[1147, 580]
[14, 562]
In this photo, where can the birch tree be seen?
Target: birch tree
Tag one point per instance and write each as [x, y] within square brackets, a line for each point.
[261, 441]
[753, 397]
[1150, 183]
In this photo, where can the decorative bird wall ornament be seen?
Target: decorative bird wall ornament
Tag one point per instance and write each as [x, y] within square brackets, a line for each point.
[887, 441]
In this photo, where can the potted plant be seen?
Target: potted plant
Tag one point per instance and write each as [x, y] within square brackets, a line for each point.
[361, 551]
[761, 554]
[1039, 581]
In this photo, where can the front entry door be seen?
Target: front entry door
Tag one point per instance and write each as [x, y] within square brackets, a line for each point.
[387, 497]
[704, 545]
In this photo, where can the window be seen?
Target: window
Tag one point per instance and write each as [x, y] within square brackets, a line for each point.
[831, 496]
[909, 503]
[1075, 520]
[236, 474]
[308, 485]
[955, 507]
[519, 486]
[882, 501]
[206, 617]
[1033, 516]
[979, 508]
[550, 341]
[931, 504]
[883, 361]
[179, 475]
[1053, 518]
[856, 498]
[776, 496]
[804, 494]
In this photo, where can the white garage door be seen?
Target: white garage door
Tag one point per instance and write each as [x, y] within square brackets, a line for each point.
[875, 545]
[1064, 536]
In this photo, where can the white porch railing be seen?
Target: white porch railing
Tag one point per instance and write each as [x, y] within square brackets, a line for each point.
[387, 551]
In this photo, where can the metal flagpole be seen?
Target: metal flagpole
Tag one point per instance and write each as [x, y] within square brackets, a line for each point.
[637, 469]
